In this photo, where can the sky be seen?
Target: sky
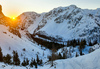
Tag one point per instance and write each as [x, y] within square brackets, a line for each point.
[13, 8]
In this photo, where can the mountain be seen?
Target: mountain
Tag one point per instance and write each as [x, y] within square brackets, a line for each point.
[26, 19]
[3, 19]
[65, 23]
[24, 47]
[61, 25]
[59, 36]
[71, 23]
[1, 14]
[12, 38]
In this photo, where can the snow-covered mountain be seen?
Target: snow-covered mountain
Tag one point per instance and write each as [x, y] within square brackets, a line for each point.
[10, 41]
[24, 47]
[71, 23]
[62, 24]
[56, 26]
[66, 23]
[26, 19]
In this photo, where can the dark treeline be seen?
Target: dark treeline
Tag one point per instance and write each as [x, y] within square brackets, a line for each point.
[8, 59]
[47, 44]
[14, 60]
[53, 44]
[53, 39]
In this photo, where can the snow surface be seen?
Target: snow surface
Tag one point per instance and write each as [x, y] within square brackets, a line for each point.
[90, 61]
[71, 30]
[74, 23]
[68, 27]
[8, 40]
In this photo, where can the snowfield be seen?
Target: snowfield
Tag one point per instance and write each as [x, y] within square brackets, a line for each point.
[10, 42]
[68, 23]
[89, 61]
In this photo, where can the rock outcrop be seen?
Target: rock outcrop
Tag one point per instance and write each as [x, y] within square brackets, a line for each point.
[0, 8]
[1, 13]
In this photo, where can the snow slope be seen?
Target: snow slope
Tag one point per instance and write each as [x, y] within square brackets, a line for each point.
[27, 19]
[10, 42]
[90, 61]
[68, 23]
[72, 23]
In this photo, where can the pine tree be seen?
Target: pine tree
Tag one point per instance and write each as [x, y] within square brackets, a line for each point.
[77, 54]
[78, 42]
[81, 53]
[27, 61]
[36, 65]
[24, 62]
[31, 63]
[74, 43]
[64, 56]
[1, 55]
[34, 62]
[82, 45]
[16, 60]
[38, 60]
[84, 42]
[68, 43]
[7, 59]
[60, 56]
[41, 62]
[90, 43]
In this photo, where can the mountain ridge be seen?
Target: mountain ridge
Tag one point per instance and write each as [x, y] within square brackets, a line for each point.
[70, 15]
[33, 34]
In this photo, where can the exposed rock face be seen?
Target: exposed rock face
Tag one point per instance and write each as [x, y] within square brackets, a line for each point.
[1, 13]
[0, 9]
[3, 19]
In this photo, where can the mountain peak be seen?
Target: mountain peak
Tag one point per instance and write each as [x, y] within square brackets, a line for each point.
[0, 8]
[73, 6]
[1, 13]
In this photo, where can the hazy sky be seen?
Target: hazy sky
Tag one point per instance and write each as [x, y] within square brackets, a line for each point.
[13, 8]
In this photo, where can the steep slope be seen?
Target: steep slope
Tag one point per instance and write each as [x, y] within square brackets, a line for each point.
[26, 19]
[24, 47]
[69, 23]
[14, 36]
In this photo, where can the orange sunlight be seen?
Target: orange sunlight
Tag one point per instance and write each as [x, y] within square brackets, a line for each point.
[13, 21]
[13, 18]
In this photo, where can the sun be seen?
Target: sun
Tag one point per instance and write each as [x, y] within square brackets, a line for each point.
[13, 18]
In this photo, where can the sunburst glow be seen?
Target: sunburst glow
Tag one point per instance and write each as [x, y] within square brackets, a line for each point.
[13, 18]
